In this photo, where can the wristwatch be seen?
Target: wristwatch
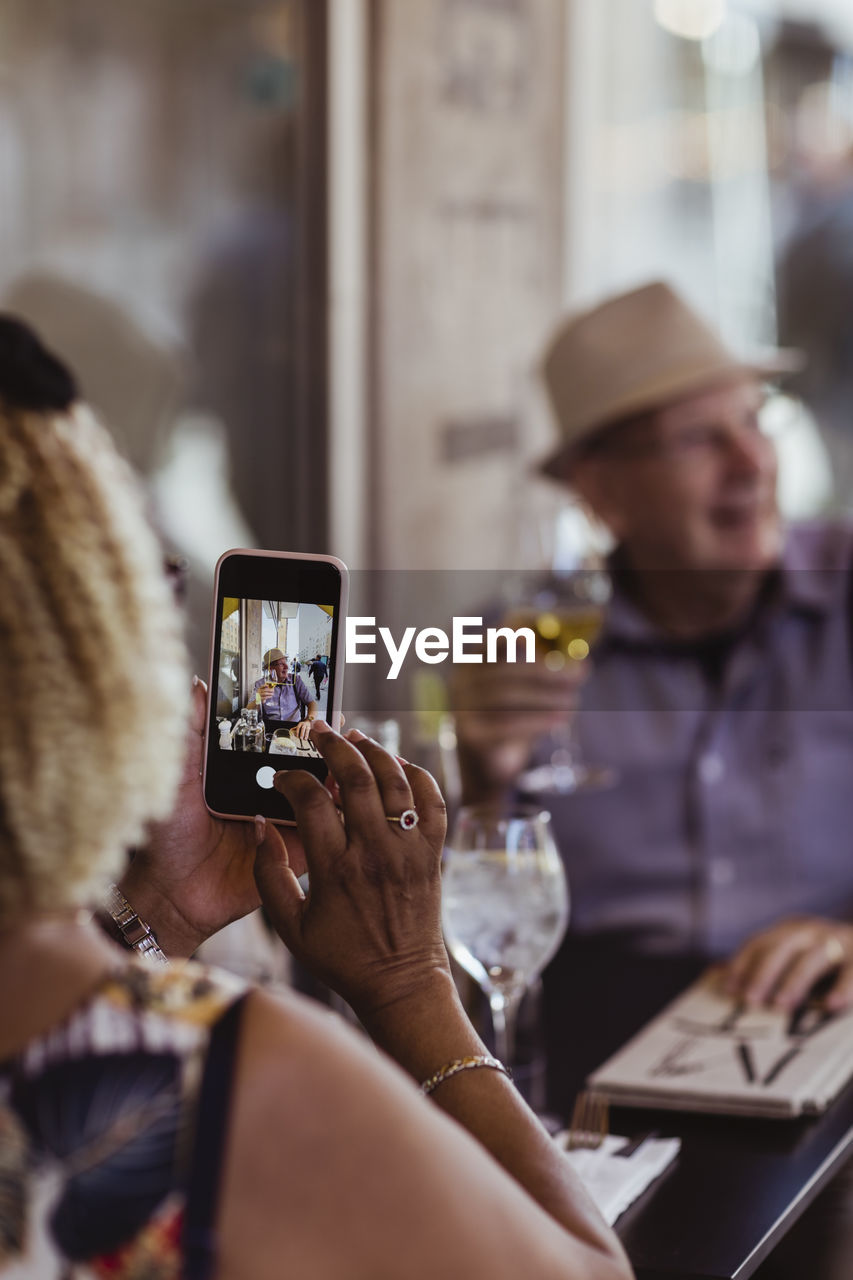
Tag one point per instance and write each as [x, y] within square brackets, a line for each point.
[135, 933]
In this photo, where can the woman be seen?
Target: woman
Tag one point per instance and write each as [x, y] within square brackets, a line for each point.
[165, 1121]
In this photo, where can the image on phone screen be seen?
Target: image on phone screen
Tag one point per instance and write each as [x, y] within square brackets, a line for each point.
[274, 671]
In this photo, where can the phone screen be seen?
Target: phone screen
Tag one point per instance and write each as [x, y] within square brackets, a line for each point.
[274, 669]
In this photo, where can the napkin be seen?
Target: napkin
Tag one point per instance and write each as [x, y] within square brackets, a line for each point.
[615, 1181]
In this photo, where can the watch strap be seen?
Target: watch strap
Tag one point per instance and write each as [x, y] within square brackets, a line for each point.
[136, 935]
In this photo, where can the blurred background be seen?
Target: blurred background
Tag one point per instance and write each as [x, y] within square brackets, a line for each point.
[304, 254]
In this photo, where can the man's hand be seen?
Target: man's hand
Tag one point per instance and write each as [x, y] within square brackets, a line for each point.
[195, 874]
[780, 965]
[501, 710]
[303, 729]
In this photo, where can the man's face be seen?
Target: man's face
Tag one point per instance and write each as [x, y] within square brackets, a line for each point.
[692, 486]
[280, 668]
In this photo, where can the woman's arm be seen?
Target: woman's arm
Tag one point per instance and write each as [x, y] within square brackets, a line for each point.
[338, 1169]
[370, 928]
[331, 1153]
[194, 875]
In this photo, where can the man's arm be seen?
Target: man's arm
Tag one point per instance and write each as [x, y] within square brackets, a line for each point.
[500, 711]
[303, 729]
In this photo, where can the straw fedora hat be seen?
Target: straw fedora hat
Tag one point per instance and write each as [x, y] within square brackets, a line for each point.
[632, 353]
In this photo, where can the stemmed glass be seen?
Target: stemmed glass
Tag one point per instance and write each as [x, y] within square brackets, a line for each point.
[505, 905]
[269, 678]
[564, 606]
[565, 610]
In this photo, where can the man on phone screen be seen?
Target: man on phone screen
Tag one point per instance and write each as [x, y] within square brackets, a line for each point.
[285, 700]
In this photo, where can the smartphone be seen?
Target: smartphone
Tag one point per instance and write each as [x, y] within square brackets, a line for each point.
[276, 661]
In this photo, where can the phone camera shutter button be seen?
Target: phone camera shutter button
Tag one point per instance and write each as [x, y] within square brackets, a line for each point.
[264, 777]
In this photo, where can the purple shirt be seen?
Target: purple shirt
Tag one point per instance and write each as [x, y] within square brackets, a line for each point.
[734, 802]
[285, 699]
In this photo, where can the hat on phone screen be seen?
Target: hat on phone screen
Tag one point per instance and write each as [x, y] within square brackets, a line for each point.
[273, 655]
[637, 352]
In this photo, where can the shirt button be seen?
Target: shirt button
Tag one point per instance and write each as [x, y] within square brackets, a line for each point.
[722, 872]
[711, 768]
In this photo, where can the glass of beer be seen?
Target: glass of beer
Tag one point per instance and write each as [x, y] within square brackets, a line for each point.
[565, 608]
[270, 682]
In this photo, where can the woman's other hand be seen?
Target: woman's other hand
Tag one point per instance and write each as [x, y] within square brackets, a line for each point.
[194, 875]
[370, 925]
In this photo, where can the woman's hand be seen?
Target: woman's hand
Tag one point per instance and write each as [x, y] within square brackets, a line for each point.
[780, 965]
[370, 926]
[194, 875]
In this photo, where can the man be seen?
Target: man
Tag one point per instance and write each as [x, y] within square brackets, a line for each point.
[317, 672]
[720, 691]
[285, 702]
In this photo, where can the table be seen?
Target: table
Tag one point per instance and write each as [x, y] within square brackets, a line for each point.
[739, 1184]
[737, 1187]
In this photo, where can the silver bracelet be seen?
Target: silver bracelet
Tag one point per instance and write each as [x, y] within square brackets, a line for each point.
[137, 935]
[463, 1064]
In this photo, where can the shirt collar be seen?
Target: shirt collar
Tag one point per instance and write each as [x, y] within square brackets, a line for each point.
[814, 568]
[809, 580]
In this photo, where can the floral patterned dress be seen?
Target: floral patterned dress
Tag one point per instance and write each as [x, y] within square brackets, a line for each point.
[97, 1128]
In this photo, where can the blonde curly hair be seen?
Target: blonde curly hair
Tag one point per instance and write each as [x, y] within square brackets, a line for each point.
[96, 681]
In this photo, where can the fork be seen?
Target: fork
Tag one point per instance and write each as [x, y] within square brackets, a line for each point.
[590, 1121]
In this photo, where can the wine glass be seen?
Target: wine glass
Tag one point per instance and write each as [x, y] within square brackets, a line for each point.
[564, 606]
[505, 905]
[565, 610]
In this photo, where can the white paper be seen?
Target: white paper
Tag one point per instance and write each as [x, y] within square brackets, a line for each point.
[613, 1181]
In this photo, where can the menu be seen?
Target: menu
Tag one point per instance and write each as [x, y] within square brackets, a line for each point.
[706, 1052]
